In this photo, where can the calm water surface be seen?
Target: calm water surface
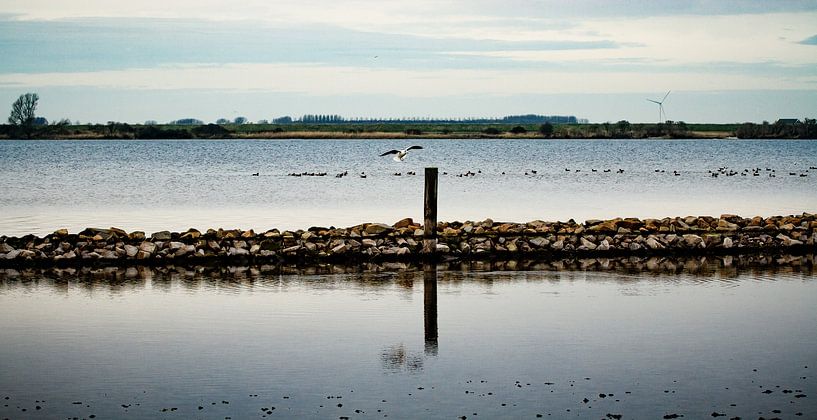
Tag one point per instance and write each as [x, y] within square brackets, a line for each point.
[158, 185]
[563, 344]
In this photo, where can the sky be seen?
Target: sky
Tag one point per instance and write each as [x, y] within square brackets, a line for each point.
[131, 61]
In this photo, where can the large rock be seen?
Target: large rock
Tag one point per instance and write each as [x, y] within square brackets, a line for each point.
[539, 242]
[4, 247]
[13, 254]
[587, 244]
[404, 223]
[131, 251]
[653, 243]
[727, 242]
[726, 226]
[161, 236]
[693, 241]
[148, 247]
[378, 228]
[237, 251]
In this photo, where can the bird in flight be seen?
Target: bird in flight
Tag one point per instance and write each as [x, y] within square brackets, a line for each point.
[399, 155]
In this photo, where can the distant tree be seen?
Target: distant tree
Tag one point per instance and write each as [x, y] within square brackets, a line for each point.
[40, 121]
[623, 126]
[187, 121]
[23, 109]
[262, 122]
[519, 130]
[491, 131]
[282, 120]
[222, 121]
[240, 120]
[23, 113]
[546, 129]
[150, 122]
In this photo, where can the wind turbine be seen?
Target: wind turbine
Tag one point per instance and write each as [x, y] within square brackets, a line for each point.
[661, 114]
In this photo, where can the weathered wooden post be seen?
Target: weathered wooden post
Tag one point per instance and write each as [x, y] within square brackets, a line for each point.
[430, 212]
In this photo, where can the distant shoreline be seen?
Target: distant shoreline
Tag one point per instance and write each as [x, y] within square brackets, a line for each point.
[415, 130]
[620, 130]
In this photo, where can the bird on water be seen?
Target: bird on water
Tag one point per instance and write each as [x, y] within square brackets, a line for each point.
[399, 155]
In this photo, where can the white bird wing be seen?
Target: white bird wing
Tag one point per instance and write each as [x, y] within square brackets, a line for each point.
[390, 152]
[414, 147]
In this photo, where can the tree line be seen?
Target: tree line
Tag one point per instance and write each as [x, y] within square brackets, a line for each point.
[781, 129]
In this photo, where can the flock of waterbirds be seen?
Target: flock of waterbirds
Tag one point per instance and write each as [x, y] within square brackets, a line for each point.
[400, 156]
[582, 397]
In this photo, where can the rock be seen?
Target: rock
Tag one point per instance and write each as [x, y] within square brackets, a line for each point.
[451, 232]
[237, 251]
[404, 223]
[175, 245]
[608, 226]
[13, 254]
[368, 243]
[377, 228]
[726, 226]
[727, 242]
[635, 246]
[603, 245]
[148, 247]
[587, 244]
[443, 248]
[653, 243]
[558, 245]
[60, 232]
[255, 248]
[70, 255]
[4, 247]
[692, 241]
[131, 251]
[339, 249]
[108, 255]
[191, 234]
[142, 255]
[137, 236]
[161, 236]
[539, 242]
[291, 249]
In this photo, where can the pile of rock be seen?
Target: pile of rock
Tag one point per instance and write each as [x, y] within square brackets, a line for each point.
[403, 241]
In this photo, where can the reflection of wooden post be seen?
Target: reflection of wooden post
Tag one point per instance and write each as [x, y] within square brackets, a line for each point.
[430, 212]
[430, 307]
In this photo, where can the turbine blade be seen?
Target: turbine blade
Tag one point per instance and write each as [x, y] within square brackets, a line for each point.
[665, 96]
[655, 102]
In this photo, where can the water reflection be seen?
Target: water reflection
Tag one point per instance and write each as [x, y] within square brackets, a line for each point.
[375, 275]
[430, 309]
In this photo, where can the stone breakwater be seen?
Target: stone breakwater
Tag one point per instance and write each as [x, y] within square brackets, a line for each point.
[727, 234]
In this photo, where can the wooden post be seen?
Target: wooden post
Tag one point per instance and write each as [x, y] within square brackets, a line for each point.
[430, 212]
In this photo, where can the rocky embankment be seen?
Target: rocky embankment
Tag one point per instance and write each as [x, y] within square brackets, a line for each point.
[727, 234]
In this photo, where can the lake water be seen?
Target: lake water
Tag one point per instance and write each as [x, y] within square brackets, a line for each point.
[239, 343]
[175, 185]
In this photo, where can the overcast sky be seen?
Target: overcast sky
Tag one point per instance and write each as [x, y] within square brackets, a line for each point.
[103, 60]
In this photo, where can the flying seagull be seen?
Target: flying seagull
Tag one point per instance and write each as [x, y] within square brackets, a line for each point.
[399, 155]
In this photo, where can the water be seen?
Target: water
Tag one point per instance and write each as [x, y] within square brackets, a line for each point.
[175, 185]
[488, 344]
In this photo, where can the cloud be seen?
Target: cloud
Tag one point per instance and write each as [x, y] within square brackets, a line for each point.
[312, 79]
[809, 41]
